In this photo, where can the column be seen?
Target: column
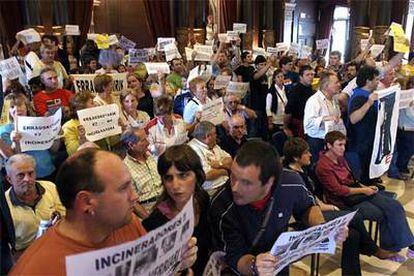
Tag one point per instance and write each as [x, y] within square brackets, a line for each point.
[288, 21]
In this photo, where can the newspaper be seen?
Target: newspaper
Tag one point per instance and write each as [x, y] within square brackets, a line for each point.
[215, 264]
[203, 52]
[291, 246]
[239, 88]
[10, 68]
[221, 81]
[171, 52]
[406, 98]
[28, 36]
[213, 111]
[157, 253]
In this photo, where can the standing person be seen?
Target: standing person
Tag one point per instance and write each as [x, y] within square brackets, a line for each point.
[290, 76]
[276, 101]
[96, 189]
[245, 70]
[297, 98]
[182, 176]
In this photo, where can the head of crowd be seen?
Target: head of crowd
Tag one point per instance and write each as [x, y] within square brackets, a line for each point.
[101, 145]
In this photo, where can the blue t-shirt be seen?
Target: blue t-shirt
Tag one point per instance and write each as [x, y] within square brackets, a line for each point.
[43, 158]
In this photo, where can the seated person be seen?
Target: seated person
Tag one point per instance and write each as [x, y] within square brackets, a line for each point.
[142, 167]
[216, 162]
[130, 115]
[239, 214]
[29, 201]
[20, 106]
[195, 105]
[233, 106]
[236, 137]
[182, 176]
[96, 189]
[343, 190]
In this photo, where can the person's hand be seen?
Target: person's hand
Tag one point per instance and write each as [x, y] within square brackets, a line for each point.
[189, 255]
[215, 164]
[81, 134]
[368, 191]
[372, 98]
[265, 264]
[375, 188]
[15, 136]
[342, 234]
[241, 107]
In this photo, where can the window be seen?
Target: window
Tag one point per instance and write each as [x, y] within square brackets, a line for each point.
[340, 31]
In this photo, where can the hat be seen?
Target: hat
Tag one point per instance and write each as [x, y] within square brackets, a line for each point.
[259, 59]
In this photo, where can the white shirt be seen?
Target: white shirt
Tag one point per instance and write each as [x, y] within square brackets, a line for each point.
[191, 108]
[317, 107]
[281, 103]
[207, 155]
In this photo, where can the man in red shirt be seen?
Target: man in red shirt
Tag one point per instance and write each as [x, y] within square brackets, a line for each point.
[46, 102]
[96, 189]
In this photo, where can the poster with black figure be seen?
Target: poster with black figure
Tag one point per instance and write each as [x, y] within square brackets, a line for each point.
[385, 130]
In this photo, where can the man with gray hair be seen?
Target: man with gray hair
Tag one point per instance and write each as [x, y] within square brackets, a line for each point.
[236, 136]
[29, 201]
[216, 162]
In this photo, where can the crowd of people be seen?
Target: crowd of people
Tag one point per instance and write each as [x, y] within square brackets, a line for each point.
[298, 144]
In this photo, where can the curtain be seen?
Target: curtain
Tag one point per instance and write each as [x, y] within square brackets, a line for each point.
[326, 18]
[228, 14]
[11, 21]
[399, 11]
[158, 12]
[80, 13]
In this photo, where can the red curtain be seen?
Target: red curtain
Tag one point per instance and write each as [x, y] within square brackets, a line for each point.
[80, 13]
[11, 21]
[158, 12]
[228, 14]
[326, 17]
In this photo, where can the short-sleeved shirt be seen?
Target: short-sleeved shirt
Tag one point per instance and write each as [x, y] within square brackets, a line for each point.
[45, 102]
[297, 99]
[235, 227]
[258, 93]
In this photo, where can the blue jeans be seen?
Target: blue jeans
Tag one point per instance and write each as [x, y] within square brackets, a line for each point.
[395, 233]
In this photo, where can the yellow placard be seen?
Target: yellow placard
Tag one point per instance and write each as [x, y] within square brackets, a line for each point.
[102, 41]
[401, 43]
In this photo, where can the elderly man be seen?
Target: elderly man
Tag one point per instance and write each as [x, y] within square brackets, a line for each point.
[29, 201]
[142, 166]
[236, 137]
[322, 113]
[233, 106]
[216, 162]
[96, 189]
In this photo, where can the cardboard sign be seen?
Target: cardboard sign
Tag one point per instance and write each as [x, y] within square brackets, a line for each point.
[155, 67]
[364, 44]
[202, 71]
[294, 48]
[232, 35]
[91, 36]
[84, 82]
[28, 36]
[272, 50]
[102, 41]
[224, 38]
[171, 52]
[10, 68]
[38, 133]
[213, 111]
[126, 44]
[112, 40]
[282, 47]
[322, 44]
[72, 30]
[376, 50]
[221, 81]
[306, 51]
[137, 55]
[203, 52]
[100, 122]
[164, 41]
[239, 88]
[241, 28]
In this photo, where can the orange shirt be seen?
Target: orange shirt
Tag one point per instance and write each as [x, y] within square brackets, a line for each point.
[46, 256]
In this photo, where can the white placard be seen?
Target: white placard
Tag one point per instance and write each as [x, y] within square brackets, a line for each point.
[202, 71]
[294, 48]
[157, 253]
[258, 51]
[137, 55]
[224, 38]
[28, 36]
[113, 40]
[171, 52]
[91, 36]
[215, 264]
[72, 30]
[239, 88]
[164, 41]
[126, 44]
[155, 67]
[221, 81]
[364, 44]
[100, 122]
[241, 28]
[306, 51]
[213, 111]
[406, 98]
[272, 50]
[203, 52]
[84, 82]
[188, 53]
[291, 246]
[232, 35]
[322, 44]
[10, 68]
[411, 7]
[385, 130]
[282, 47]
[376, 49]
[38, 133]
[151, 51]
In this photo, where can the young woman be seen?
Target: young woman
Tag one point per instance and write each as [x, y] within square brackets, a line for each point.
[297, 157]
[276, 101]
[182, 176]
[130, 115]
[145, 101]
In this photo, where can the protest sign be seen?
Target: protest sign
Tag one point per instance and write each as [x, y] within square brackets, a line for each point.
[272, 50]
[385, 130]
[100, 122]
[159, 252]
[137, 55]
[364, 44]
[282, 47]
[203, 71]
[171, 52]
[232, 35]
[102, 41]
[164, 41]
[376, 49]
[258, 51]
[10, 68]
[213, 111]
[241, 28]
[155, 67]
[401, 43]
[126, 44]
[203, 52]
[38, 133]
[112, 40]
[91, 36]
[221, 81]
[411, 7]
[72, 30]
[406, 98]
[151, 51]
[239, 88]
[84, 82]
[28, 36]
[322, 44]
[294, 48]
[306, 51]
[215, 264]
[291, 246]
[224, 38]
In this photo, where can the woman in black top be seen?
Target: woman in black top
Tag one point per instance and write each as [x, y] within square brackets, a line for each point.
[182, 176]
